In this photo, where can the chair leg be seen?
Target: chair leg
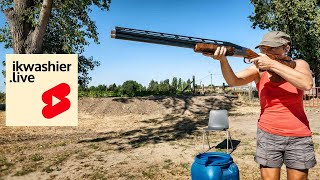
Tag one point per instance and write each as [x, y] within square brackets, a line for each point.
[208, 140]
[231, 141]
[229, 136]
[203, 140]
[204, 133]
[227, 141]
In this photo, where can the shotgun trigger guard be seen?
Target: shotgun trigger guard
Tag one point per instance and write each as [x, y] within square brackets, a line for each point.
[247, 62]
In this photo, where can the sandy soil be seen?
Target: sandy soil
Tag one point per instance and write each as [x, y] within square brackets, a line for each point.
[134, 138]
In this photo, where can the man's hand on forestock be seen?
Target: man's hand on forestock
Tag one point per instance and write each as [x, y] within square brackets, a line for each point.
[263, 62]
[219, 54]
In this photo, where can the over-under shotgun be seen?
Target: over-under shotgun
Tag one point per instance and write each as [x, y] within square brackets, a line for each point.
[197, 44]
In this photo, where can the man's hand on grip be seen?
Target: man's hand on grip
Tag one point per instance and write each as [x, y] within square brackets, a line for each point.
[263, 62]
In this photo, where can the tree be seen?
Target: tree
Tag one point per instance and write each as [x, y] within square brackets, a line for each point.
[92, 88]
[299, 19]
[112, 87]
[49, 26]
[184, 85]
[101, 87]
[167, 84]
[153, 86]
[131, 88]
[164, 85]
[180, 84]
[174, 84]
[84, 66]
[188, 84]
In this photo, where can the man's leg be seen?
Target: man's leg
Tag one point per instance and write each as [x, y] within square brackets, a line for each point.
[268, 173]
[299, 157]
[295, 174]
[269, 154]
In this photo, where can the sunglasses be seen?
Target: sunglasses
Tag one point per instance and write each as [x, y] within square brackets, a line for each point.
[265, 49]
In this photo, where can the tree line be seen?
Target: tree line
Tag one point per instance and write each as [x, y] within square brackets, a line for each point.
[132, 88]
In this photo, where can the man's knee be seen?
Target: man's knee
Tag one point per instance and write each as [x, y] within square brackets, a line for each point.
[297, 174]
[269, 173]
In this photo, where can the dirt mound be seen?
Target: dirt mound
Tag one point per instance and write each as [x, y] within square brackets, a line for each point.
[150, 105]
[119, 106]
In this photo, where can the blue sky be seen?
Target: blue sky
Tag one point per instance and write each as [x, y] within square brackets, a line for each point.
[127, 60]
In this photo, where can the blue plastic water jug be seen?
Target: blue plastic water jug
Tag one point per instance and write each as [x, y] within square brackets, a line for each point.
[214, 166]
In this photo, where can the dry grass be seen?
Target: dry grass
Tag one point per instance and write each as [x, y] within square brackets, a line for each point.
[155, 138]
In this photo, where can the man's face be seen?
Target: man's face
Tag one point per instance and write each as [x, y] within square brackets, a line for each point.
[272, 50]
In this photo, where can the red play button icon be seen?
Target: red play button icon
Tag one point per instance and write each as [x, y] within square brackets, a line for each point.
[56, 100]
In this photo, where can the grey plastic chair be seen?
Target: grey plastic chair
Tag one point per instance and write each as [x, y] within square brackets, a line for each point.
[218, 121]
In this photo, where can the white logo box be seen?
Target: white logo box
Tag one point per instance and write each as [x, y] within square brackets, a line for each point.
[28, 76]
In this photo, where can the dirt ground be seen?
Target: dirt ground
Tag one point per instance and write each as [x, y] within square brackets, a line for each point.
[134, 138]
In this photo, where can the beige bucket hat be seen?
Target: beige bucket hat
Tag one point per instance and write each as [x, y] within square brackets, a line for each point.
[275, 39]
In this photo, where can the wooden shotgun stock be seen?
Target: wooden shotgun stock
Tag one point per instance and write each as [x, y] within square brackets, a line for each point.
[211, 48]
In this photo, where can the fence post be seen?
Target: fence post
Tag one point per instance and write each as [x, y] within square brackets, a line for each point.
[250, 91]
[194, 84]
[311, 97]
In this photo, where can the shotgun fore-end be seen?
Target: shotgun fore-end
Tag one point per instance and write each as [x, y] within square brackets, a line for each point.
[211, 48]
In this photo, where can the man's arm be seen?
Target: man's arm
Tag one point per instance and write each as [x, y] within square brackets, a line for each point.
[244, 77]
[300, 76]
[241, 78]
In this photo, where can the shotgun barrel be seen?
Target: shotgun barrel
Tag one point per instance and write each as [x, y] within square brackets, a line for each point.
[172, 40]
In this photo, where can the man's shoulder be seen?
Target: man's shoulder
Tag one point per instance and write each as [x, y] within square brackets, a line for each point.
[301, 62]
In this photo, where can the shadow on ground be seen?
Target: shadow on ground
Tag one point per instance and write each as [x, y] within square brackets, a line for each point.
[171, 127]
[223, 145]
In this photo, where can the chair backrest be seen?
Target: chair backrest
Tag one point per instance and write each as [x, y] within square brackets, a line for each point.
[218, 119]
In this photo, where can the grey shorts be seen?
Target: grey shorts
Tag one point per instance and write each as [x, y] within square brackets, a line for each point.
[294, 152]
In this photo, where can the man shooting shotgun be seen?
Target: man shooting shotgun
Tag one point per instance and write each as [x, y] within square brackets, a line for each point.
[201, 45]
[283, 134]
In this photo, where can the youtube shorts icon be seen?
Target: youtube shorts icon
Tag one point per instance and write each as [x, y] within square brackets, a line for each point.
[49, 97]
[42, 90]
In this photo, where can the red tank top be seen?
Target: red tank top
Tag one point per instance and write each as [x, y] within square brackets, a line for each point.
[282, 110]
